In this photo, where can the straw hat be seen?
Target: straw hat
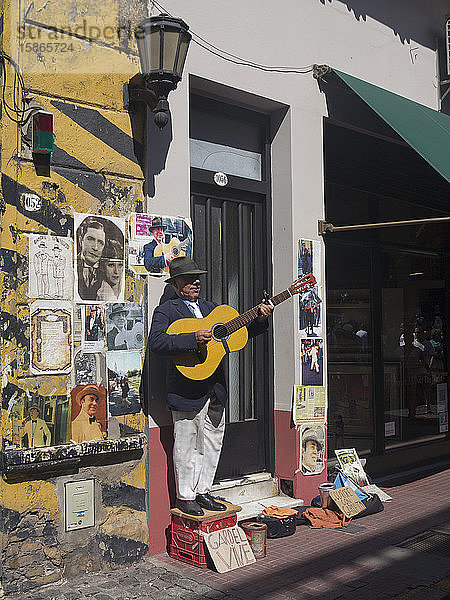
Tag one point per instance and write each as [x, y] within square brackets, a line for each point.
[87, 390]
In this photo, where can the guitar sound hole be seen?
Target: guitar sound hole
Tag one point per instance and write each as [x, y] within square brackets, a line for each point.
[219, 331]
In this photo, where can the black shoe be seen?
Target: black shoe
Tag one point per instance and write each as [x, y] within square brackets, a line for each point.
[190, 507]
[207, 501]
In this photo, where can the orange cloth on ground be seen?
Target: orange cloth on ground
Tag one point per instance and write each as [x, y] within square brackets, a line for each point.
[325, 518]
[280, 512]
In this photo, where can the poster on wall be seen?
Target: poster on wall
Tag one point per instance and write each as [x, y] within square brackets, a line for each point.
[124, 378]
[51, 337]
[136, 257]
[124, 326]
[312, 448]
[309, 260]
[92, 328]
[99, 260]
[157, 240]
[309, 404]
[88, 413]
[351, 466]
[50, 267]
[89, 367]
[40, 421]
[311, 358]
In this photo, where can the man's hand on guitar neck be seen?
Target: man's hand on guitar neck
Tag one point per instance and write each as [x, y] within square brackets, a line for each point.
[202, 337]
[264, 311]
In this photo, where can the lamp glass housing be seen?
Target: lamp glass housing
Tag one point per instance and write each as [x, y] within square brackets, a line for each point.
[162, 43]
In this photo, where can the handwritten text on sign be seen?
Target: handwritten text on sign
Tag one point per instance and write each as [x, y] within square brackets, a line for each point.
[229, 548]
[347, 501]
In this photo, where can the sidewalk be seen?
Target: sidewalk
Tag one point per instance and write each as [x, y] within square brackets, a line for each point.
[362, 562]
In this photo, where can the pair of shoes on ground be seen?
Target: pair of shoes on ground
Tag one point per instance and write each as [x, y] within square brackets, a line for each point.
[195, 507]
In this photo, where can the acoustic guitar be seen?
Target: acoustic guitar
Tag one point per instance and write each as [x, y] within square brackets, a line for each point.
[171, 250]
[228, 330]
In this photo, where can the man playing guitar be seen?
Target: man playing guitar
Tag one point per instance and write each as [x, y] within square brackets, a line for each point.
[197, 406]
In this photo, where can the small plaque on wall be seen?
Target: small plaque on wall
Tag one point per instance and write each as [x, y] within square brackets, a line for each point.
[79, 504]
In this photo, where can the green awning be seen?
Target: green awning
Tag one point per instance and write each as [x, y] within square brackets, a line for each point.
[423, 128]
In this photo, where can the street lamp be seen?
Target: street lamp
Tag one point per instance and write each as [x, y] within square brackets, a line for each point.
[163, 42]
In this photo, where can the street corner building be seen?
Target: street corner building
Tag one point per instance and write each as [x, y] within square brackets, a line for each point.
[298, 155]
[73, 497]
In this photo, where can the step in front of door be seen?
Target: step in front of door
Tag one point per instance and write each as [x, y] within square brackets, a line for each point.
[254, 493]
[247, 488]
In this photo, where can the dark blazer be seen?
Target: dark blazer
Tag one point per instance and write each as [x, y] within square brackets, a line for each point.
[182, 393]
[87, 292]
[152, 263]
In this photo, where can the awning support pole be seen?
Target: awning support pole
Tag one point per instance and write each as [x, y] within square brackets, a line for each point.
[324, 227]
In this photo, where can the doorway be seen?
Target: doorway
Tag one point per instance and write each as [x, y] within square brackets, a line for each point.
[231, 225]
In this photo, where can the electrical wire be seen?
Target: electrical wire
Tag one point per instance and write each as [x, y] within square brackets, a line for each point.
[237, 60]
[16, 112]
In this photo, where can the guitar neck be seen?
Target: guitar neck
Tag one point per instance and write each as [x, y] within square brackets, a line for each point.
[251, 314]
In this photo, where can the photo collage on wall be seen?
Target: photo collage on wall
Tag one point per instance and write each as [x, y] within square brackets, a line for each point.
[84, 334]
[309, 398]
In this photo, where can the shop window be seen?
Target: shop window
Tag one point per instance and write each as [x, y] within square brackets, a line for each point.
[349, 339]
[414, 347]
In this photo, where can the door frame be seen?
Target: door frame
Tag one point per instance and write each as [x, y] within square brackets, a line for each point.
[239, 188]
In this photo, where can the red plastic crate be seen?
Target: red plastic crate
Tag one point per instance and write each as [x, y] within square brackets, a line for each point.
[189, 547]
[187, 544]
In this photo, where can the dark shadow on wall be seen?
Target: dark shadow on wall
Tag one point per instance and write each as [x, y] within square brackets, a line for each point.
[153, 400]
[405, 18]
[156, 142]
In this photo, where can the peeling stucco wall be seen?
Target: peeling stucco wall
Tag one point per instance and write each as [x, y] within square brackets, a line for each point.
[96, 167]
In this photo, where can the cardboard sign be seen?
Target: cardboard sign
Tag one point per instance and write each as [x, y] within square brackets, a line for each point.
[347, 501]
[229, 549]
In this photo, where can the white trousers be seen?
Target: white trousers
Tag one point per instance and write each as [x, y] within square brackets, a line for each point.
[198, 441]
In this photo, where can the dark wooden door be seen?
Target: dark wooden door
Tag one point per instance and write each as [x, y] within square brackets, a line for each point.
[230, 242]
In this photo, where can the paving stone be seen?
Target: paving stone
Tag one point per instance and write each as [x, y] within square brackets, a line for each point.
[188, 584]
[159, 595]
[171, 577]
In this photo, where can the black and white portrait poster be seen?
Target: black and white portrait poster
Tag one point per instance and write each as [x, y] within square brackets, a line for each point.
[136, 257]
[50, 273]
[312, 448]
[93, 330]
[309, 260]
[124, 379]
[124, 326]
[99, 260]
[89, 367]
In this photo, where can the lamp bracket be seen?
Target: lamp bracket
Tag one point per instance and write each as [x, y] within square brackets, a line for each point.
[142, 94]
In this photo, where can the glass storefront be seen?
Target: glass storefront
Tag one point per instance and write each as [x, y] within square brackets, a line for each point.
[387, 309]
[414, 352]
[349, 337]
